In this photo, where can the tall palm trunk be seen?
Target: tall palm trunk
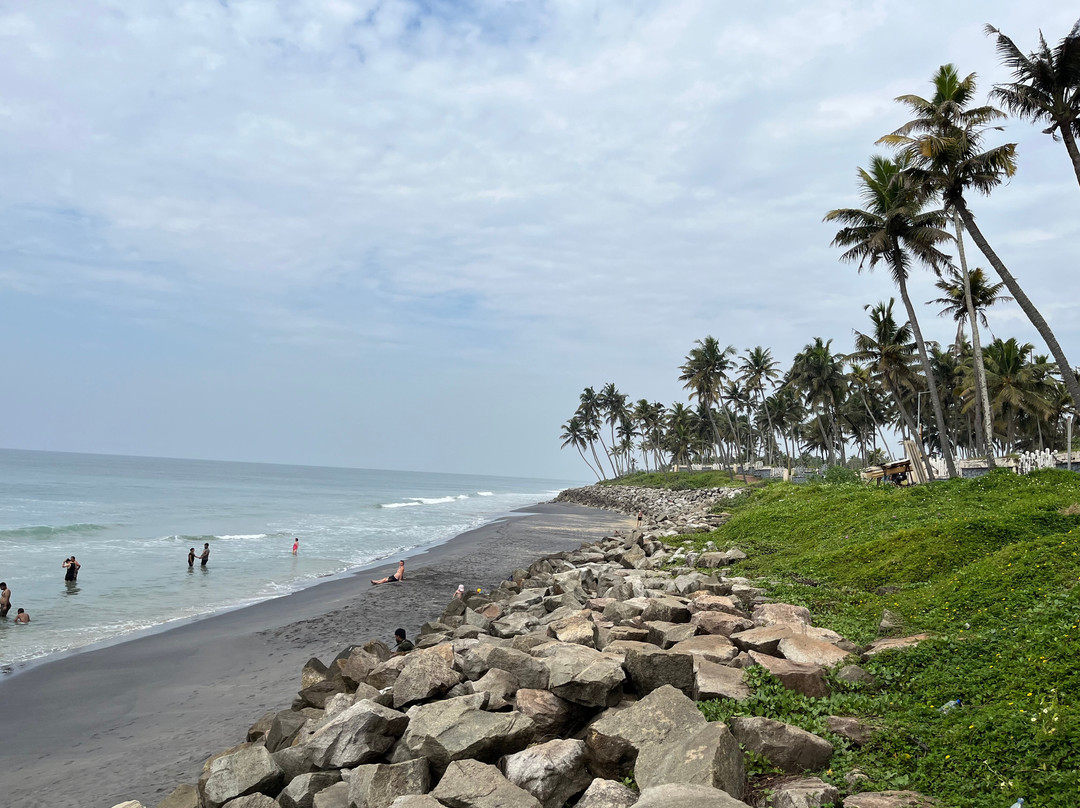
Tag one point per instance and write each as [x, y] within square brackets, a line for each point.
[982, 395]
[1070, 146]
[931, 384]
[1033, 314]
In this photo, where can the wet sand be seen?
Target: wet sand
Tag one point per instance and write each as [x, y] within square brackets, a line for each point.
[136, 719]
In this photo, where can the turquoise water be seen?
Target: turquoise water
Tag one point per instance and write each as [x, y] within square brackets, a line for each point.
[130, 522]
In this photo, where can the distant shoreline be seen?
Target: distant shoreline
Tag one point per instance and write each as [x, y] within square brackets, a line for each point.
[135, 718]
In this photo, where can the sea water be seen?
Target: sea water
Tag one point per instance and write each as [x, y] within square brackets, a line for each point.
[130, 522]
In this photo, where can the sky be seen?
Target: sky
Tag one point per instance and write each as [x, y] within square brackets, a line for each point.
[407, 233]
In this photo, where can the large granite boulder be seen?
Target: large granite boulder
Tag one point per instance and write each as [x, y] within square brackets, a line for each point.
[707, 756]
[553, 716]
[894, 644]
[471, 784]
[424, 676]
[360, 734]
[458, 728]
[666, 634]
[666, 610]
[416, 801]
[356, 668]
[789, 748]
[500, 687]
[771, 614]
[607, 794]
[386, 673]
[804, 792]
[377, 785]
[889, 799]
[248, 770]
[249, 801]
[650, 668]
[719, 623]
[710, 647]
[527, 670]
[585, 676]
[764, 639]
[806, 679]
[183, 796]
[335, 796]
[301, 790]
[713, 681]
[673, 795]
[808, 651]
[552, 772]
[614, 740]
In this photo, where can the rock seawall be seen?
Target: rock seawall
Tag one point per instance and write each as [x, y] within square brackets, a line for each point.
[572, 675]
[666, 513]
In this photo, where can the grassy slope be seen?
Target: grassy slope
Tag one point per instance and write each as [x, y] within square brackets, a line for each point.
[991, 567]
[678, 480]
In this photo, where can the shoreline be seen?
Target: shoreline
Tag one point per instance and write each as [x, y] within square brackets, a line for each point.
[134, 718]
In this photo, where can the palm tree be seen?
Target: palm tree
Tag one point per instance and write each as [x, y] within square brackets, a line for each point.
[704, 371]
[890, 352]
[1015, 385]
[612, 405]
[944, 143]
[818, 373]
[576, 434]
[863, 382]
[893, 229]
[967, 297]
[589, 411]
[1045, 86]
[758, 368]
[681, 431]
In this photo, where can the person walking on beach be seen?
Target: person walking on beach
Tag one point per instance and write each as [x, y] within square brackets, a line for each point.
[191, 558]
[640, 516]
[22, 616]
[403, 645]
[295, 545]
[5, 599]
[72, 567]
[205, 554]
[399, 575]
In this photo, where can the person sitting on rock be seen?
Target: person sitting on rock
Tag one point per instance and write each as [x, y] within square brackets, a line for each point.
[399, 575]
[403, 644]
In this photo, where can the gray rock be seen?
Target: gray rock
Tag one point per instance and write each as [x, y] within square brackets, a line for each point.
[378, 784]
[807, 651]
[416, 801]
[854, 675]
[675, 795]
[184, 796]
[246, 771]
[805, 792]
[471, 784]
[854, 729]
[455, 729]
[314, 671]
[500, 686]
[258, 730]
[301, 790]
[715, 622]
[527, 670]
[650, 668]
[806, 679]
[552, 715]
[361, 734]
[335, 796]
[707, 756]
[607, 794]
[889, 799]
[771, 614]
[713, 681]
[552, 772]
[584, 676]
[666, 634]
[252, 801]
[666, 610]
[708, 647]
[424, 676]
[384, 674]
[614, 740]
[789, 748]
[357, 666]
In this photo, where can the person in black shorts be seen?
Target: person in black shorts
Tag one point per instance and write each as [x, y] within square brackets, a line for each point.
[191, 557]
[72, 566]
[399, 575]
[205, 554]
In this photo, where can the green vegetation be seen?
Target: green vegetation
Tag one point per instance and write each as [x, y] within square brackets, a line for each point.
[678, 480]
[989, 567]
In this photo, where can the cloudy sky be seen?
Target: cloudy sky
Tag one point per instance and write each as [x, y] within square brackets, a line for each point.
[407, 233]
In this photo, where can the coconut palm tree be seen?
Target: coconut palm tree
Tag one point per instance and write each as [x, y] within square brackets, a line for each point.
[818, 374]
[944, 144]
[681, 433]
[1015, 385]
[704, 371]
[1045, 86]
[589, 411]
[576, 434]
[757, 370]
[894, 229]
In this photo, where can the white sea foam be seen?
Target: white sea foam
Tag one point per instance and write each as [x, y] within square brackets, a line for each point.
[242, 536]
[485, 494]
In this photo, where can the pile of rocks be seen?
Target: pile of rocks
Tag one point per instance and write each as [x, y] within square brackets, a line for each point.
[667, 513]
[570, 678]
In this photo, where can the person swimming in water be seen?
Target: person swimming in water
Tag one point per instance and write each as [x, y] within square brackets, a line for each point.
[22, 616]
[399, 575]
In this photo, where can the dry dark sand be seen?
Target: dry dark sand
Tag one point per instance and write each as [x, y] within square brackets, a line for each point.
[136, 719]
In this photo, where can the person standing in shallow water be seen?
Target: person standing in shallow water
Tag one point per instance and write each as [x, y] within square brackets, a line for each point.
[72, 567]
[191, 558]
[5, 599]
[295, 546]
[22, 617]
[205, 554]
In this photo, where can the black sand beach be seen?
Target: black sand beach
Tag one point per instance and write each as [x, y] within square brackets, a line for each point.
[136, 719]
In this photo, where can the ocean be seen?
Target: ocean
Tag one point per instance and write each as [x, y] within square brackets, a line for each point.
[130, 521]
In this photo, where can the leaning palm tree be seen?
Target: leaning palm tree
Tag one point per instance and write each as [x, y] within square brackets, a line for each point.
[576, 434]
[589, 410]
[944, 144]
[1045, 86]
[894, 229]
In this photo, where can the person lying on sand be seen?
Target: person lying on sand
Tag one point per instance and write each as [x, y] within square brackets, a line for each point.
[399, 575]
[22, 617]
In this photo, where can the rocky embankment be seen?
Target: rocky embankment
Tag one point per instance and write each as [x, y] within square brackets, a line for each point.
[666, 513]
[555, 689]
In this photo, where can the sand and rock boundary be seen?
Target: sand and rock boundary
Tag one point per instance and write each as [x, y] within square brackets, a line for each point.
[573, 682]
